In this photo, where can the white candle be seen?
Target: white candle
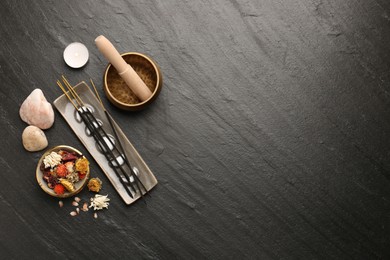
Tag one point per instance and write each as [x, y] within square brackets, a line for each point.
[76, 55]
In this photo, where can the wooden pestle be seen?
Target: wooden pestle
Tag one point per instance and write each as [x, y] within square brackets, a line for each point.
[133, 81]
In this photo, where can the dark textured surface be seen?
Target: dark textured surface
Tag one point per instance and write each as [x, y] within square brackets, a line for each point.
[270, 138]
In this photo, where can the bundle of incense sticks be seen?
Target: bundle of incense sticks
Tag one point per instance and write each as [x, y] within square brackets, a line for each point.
[116, 156]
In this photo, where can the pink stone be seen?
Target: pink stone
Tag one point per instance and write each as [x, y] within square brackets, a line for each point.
[36, 111]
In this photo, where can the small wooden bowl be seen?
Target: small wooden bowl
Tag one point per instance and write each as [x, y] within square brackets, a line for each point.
[120, 95]
[43, 184]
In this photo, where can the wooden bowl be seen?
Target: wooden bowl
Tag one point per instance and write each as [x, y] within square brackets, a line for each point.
[43, 184]
[120, 95]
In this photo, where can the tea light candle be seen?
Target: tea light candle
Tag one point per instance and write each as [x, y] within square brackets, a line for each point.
[76, 55]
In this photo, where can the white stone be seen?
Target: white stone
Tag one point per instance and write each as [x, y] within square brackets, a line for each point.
[36, 111]
[34, 139]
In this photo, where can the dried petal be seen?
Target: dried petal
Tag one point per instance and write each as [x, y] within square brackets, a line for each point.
[77, 210]
[77, 199]
[85, 207]
[68, 185]
[74, 203]
[95, 215]
[73, 213]
[68, 156]
[60, 203]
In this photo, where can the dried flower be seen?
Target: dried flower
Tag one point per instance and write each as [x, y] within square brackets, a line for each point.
[94, 184]
[68, 156]
[82, 165]
[99, 202]
[61, 171]
[73, 177]
[81, 176]
[51, 181]
[59, 189]
[68, 185]
[69, 166]
[51, 160]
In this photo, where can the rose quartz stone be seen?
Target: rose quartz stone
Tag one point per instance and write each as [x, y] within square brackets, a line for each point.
[36, 111]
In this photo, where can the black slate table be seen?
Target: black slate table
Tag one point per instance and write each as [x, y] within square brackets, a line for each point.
[270, 138]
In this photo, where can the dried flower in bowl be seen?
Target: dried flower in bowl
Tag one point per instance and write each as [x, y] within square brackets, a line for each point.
[58, 174]
[52, 160]
[69, 186]
[59, 189]
[82, 165]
